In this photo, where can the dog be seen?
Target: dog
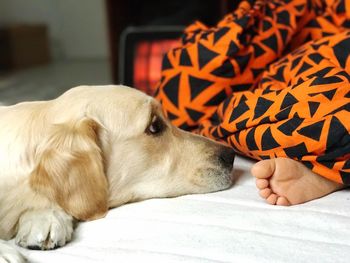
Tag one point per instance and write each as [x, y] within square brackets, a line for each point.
[92, 149]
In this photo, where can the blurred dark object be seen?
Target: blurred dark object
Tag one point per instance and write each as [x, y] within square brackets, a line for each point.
[23, 46]
[135, 13]
[141, 53]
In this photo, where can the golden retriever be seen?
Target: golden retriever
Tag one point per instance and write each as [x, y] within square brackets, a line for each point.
[91, 149]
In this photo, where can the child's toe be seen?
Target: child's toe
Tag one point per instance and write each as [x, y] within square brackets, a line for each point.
[272, 199]
[261, 183]
[282, 201]
[265, 193]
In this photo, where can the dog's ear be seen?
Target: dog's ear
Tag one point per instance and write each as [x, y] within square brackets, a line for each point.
[70, 170]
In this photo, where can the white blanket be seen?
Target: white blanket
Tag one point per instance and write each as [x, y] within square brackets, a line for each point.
[235, 225]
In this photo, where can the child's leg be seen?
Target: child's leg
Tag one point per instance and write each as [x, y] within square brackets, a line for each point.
[214, 62]
[299, 108]
[301, 111]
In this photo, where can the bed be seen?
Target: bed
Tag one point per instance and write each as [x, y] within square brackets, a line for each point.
[228, 226]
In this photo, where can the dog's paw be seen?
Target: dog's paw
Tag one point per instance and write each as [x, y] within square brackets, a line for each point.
[44, 229]
[9, 254]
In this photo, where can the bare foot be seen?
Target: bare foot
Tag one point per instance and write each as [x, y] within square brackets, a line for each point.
[283, 181]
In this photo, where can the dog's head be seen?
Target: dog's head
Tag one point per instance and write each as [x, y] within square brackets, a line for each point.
[111, 145]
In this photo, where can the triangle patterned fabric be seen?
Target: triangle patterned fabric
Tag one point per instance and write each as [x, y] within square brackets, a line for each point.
[271, 79]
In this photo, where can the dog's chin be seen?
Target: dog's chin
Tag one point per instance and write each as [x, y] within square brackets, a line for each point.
[216, 179]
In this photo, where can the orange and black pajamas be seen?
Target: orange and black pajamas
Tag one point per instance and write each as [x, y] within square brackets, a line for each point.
[272, 79]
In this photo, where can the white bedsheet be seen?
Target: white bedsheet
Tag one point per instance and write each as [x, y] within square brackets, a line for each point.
[229, 226]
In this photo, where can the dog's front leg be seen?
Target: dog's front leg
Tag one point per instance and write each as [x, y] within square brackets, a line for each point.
[9, 254]
[44, 229]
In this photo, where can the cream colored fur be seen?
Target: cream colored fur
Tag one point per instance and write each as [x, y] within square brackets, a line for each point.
[89, 150]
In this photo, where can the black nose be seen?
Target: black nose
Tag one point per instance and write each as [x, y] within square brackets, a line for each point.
[226, 156]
